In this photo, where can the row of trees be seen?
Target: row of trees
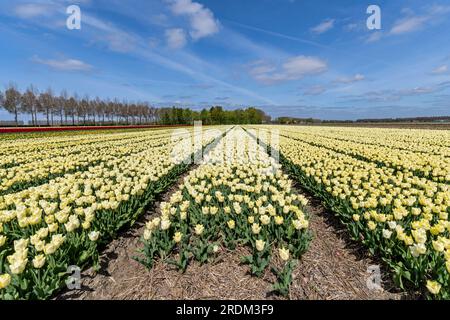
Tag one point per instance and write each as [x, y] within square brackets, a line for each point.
[291, 120]
[64, 109]
[213, 116]
[415, 119]
[68, 109]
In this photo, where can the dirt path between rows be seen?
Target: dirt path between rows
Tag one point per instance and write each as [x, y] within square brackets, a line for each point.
[332, 268]
[336, 268]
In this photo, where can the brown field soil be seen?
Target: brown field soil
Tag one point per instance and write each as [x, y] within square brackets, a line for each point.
[333, 268]
[389, 125]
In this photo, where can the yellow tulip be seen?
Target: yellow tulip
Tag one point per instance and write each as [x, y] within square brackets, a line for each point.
[279, 220]
[177, 237]
[199, 229]
[260, 244]
[284, 254]
[438, 246]
[2, 241]
[5, 280]
[434, 287]
[371, 225]
[256, 229]
[39, 261]
[94, 235]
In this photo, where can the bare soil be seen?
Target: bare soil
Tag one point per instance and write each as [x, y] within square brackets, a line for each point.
[388, 125]
[333, 268]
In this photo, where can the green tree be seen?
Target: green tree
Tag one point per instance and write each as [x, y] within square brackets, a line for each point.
[216, 115]
[204, 116]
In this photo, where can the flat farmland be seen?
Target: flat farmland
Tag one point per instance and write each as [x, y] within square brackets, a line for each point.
[282, 206]
[390, 125]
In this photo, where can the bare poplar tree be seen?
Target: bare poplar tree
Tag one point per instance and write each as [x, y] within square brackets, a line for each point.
[12, 101]
[29, 103]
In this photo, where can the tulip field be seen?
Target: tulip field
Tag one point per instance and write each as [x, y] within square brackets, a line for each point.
[64, 196]
[390, 188]
[236, 197]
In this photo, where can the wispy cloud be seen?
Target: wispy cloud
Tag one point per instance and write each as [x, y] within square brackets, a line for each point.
[412, 22]
[351, 27]
[132, 43]
[70, 65]
[31, 10]
[323, 26]
[347, 80]
[348, 53]
[374, 37]
[146, 33]
[408, 24]
[440, 70]
[314, 90]
[396, 95]
[203, 86]
[293, 68]
[280, 35]
[176, 38]
[115, 38]
[319, 89]
[222, 98]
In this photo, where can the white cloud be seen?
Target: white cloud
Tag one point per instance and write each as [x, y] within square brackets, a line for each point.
[176, 38]
[193, 68]
[438, 9]
[292, 69]
[346, 80]
[315, 90]
[408, 24]
[121, 42]
[323, 27]
[160, 20]
[374, 36]
[398, 94]
[116, 39]
[440, 70]
[202, 21]
[417, 91]
[31, 10]
[351, 27]
[413, 22]
[319, 89]
[64, 64]
[301, 65]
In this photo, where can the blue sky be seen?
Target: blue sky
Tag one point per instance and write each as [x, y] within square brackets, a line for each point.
[299, 58]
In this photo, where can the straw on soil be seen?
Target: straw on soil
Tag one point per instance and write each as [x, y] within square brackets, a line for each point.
[332, 268]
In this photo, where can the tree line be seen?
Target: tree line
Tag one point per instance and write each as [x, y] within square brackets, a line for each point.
[213, 116]
[292, 120]
[48, 108]
[412, 119]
